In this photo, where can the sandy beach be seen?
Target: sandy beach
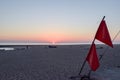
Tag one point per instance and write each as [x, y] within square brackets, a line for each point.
[60, 63]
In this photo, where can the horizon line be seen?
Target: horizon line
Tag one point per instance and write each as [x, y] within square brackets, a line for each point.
[64, 43]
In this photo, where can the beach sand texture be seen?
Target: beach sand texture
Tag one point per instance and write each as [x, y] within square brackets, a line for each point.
[44, 63]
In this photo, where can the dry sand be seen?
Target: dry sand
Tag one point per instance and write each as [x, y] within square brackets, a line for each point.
[44, 63]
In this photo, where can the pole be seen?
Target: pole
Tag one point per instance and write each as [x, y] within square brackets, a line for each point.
[94, 38]
[105, 50]
[108, 47]
[85, 59]
[82, 67]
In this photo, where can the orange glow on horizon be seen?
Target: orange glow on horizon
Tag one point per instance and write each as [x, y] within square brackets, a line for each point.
[49, 37]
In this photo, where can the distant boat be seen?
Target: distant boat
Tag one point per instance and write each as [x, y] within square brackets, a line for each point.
[52, 46]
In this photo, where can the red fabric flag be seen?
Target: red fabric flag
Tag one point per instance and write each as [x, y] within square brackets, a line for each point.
[92, 58]
[103, 34]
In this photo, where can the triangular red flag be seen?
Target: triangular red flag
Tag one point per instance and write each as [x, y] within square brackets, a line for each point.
[92, 58]
[103, 34]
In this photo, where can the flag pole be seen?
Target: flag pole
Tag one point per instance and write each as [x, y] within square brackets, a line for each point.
[94, 39]
[105, 50]
[85, 59]
[84, 62]
[107, 47]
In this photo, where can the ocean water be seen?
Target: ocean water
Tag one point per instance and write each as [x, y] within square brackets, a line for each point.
[7, 48]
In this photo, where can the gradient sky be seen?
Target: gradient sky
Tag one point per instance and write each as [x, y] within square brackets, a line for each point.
[56, 20]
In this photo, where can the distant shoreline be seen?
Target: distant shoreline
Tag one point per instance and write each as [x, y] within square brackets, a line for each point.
[64, 44]
[42, 43]
[23, 44]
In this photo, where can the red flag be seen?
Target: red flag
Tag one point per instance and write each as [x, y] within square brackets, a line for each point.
[92, 58]
[103, 34]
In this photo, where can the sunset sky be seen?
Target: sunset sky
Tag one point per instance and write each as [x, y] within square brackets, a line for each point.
[69, 21]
